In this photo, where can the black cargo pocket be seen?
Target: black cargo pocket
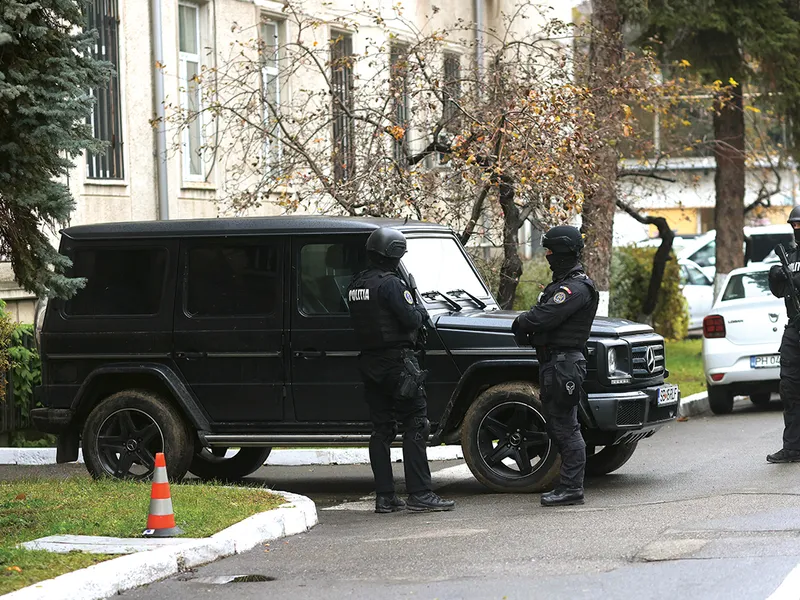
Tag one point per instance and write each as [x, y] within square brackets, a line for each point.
[569, 377]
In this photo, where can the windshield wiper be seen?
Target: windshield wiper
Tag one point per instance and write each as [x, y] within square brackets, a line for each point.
[450, 302]
[478, 302]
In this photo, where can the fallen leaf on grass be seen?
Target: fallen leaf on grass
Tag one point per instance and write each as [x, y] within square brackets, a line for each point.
[20, 497]
[14, 568]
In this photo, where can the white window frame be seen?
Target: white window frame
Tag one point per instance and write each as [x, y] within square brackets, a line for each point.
[267, 71]
[184, 59]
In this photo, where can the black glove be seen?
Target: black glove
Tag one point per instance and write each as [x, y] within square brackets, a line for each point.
[520, 336]
[776, 274]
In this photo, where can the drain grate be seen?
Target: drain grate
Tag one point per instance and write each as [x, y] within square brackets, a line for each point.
[225, 579]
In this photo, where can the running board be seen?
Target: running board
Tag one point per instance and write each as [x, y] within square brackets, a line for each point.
[286, 440]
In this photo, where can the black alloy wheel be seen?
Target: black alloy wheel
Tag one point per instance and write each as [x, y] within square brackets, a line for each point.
[127, 443]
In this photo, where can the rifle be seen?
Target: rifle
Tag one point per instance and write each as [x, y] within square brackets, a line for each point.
[423, 332]
[791, 290]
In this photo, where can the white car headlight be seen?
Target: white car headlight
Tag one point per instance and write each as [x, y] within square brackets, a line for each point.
[611, 360]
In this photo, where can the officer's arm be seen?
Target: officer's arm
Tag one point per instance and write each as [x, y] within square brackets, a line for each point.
[567, 300]
[400, 301]
[777, 281]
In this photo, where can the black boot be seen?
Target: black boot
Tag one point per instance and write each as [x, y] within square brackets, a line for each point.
[428, 501]
[784, 456]
[389, 504]
[562, 496]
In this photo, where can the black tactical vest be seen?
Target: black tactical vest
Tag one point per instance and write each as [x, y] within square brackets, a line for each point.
[793, 258]
[375, 325]
[574, 331]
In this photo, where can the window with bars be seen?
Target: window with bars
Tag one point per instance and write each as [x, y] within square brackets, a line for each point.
[106, 117]
[344, 151]
[401, 101]
[190, 70]
[452, 90]
[270, 75]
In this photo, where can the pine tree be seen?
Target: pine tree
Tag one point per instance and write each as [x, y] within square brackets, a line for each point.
[46, 74]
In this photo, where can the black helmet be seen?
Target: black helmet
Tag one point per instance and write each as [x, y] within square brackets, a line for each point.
[563, 239]
[387, 242]
[794, 216]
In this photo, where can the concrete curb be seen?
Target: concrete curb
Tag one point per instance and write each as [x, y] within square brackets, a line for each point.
[114, 576]
[284, 458]
[694, 405]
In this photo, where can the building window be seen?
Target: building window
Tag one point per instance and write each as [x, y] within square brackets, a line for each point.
[451, 91]
[401, 100]
[190, 68]
[119, 281]
[344, 151]
[106, 118]
[270, 74]
[232, 279]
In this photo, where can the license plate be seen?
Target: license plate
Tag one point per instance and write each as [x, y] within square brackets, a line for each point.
[765, 361]
[667, 395]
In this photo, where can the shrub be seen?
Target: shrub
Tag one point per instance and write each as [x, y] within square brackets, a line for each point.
[536, 275]
[630, 278]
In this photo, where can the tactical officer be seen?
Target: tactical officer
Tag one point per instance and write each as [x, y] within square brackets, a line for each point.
[388, 322]
[789, 386]
[558, 327]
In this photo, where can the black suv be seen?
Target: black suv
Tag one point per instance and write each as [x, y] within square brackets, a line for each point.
[219, 339]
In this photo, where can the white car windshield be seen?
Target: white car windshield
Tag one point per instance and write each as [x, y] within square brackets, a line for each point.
[439, 264]
[747, 285]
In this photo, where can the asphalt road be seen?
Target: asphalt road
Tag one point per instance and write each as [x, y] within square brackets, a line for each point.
[696, 513]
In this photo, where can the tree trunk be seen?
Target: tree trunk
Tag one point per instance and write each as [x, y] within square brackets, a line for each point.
[605, 56]
[511, 270]
[729, 183]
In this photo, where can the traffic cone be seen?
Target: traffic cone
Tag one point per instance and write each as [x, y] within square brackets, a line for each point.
[161, 520]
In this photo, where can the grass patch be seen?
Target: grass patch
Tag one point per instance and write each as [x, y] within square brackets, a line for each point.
[685, 366]
[30, 509]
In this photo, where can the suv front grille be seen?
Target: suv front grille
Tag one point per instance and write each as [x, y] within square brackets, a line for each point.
[630, 412]
[648, 360]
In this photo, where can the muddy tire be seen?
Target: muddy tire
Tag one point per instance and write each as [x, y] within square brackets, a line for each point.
[609, 459]
[124, 432]
[505, 442]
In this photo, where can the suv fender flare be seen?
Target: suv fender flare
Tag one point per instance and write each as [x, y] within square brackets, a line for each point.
[176, 386]
[459, 401]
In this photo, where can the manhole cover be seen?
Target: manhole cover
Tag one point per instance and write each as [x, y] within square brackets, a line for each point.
[225, 579]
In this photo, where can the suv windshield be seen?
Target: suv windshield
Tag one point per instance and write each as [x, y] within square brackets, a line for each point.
[747, 285]
[439, 264]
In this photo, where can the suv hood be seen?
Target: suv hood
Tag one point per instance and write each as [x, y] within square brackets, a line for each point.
[500, 321]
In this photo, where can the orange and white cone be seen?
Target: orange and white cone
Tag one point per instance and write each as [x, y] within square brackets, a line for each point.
[161, 519]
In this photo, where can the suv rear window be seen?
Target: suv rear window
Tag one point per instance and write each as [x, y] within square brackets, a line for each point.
[119, 281]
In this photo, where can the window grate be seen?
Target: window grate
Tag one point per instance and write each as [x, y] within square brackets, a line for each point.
[344, 149]
[106, 118]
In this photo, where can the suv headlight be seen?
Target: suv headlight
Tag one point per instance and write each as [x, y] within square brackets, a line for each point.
[611, 360]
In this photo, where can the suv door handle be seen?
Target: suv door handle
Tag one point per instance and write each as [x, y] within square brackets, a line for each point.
[309, 354]
[190, 355]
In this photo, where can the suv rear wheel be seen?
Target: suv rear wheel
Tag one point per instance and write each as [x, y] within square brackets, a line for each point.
[761, 398]
[505, 441]
[124, 432]
[212, 464]
[720, 400]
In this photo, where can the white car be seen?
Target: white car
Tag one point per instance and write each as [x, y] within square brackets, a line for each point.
[698, 290]
[741, 340]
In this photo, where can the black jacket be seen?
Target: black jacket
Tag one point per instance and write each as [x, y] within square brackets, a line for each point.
[564, 314]
[778, 284]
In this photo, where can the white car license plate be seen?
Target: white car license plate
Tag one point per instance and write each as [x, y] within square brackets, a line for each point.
[765, 361]
[667, 395]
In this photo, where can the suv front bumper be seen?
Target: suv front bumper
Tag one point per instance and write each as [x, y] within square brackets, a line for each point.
[637, 410]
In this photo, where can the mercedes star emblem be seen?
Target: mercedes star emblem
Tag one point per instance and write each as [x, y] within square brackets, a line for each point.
[650, 358]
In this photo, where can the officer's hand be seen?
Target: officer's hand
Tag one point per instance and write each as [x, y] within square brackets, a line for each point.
[515, 325]
[776, 274]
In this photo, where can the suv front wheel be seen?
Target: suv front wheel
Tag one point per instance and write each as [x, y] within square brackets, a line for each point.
[505, 442]
[213, 464]
[124, 432]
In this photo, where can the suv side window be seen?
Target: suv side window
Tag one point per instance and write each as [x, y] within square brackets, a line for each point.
[231, 279]
[119, 281]
[325, 274]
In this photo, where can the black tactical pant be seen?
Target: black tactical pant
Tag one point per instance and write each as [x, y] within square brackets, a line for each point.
[790, 388]
[561, 380]
[382, 374]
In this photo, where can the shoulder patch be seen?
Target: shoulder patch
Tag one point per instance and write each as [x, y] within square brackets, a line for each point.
[409, 298]
[560, 297]
[566, 289]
